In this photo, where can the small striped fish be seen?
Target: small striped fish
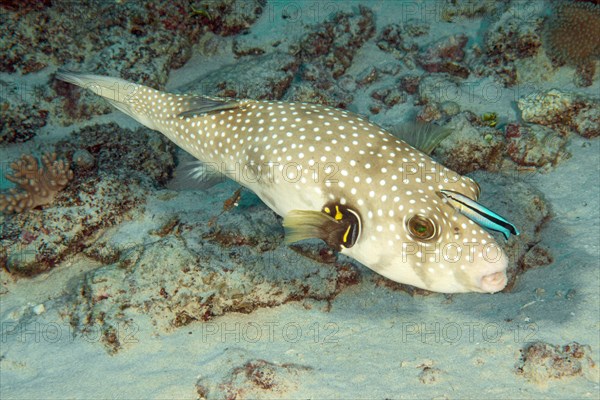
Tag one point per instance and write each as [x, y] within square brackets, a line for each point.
[332, 175]
[480, 214]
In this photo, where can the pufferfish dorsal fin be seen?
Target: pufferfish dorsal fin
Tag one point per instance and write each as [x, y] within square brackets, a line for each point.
[197, 105]
[426, 137]
[336, 225]
[421, 135]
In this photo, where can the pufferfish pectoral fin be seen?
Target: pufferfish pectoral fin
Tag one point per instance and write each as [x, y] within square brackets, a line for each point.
[192, 174]
[304, 224]
[336, 225]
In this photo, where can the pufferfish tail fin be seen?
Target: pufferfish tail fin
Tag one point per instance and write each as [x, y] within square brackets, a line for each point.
[142, 102]
[121, 94]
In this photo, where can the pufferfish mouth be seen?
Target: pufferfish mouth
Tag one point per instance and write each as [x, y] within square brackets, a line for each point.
[494, 282]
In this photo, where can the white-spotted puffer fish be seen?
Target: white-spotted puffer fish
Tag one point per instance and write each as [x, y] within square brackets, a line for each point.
[331, 174]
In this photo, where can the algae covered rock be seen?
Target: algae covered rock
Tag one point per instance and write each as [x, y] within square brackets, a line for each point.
[128, 165]
[256, 378]
[563, 111]
[264, 77]
[471, 146]
[513, 36]
[20, 122]
[542, 362]
[207, 263]
[325, 53]
[445, 55]
[521, 203]
[535, 145]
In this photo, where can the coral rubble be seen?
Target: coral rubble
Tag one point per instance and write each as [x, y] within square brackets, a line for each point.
[229, 17]
[20, 123]
[446, 55]
[535, 145]
[519, 201]
[196, 271]
[325, 52]
[275, 72]
[541, 362]
[562, 111]
[471, 147]
[513, 36]
[256, 378]
[394, 40]
[139, 41]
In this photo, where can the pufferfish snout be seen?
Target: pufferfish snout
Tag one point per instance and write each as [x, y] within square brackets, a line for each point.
[446, 248]
[335, 176]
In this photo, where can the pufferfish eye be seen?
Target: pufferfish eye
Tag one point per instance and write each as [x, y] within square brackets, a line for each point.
[421, 228]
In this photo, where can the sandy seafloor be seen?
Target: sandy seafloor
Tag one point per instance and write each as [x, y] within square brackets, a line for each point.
[370, 343]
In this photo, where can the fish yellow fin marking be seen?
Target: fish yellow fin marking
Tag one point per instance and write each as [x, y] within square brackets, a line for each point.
[338, 214]
[345, 240]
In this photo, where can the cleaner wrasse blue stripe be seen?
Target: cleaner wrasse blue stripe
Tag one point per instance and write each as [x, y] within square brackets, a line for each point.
[332, 175]
[480, 214]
